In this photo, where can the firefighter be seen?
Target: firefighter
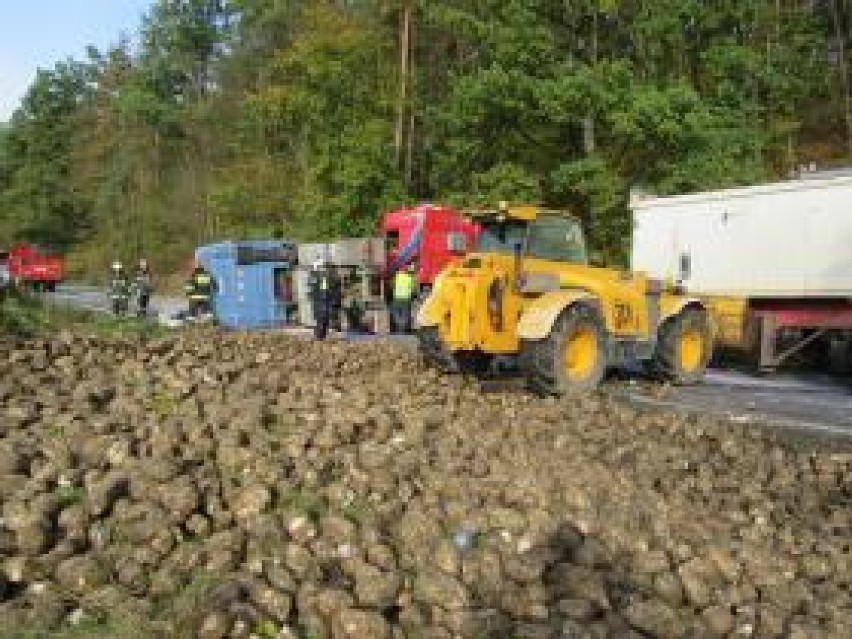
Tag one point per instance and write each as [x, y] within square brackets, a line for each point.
[404, 287]
[325, 293]
[5, 280]
[199, 291]
[336, 301]
[144, 286]
[119, 289]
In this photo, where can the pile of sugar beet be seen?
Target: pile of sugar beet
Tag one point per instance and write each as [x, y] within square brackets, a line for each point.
[286, 488]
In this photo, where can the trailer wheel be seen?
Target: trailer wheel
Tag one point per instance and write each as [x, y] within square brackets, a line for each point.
[684, 347]
[572, 359]
[838, 356]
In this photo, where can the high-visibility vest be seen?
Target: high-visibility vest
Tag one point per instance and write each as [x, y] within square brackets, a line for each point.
[200, 286]
[403, 286]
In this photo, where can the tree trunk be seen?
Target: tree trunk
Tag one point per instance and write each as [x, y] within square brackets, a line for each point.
[404, 48]
[844, 72]
[409, 154]
[589, 120]
[408, 171]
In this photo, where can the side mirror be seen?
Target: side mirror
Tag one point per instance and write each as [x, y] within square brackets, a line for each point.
[456, 243]
[684, 266]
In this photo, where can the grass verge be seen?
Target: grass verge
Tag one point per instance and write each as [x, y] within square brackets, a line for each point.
[24, 315]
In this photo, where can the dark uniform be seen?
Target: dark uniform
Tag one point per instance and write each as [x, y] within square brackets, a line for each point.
[119, 291]
[5, 281]
[326, 296]
[199, 291]
[144, 286]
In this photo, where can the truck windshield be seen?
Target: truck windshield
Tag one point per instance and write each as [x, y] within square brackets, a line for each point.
[502, 237]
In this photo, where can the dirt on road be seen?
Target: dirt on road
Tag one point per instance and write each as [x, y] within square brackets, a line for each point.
[225, 485]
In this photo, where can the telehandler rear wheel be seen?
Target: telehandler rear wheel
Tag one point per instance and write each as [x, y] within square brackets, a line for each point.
[684, 347]
[571, 359]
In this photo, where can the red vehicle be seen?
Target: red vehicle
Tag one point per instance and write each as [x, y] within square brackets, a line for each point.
[34, 267]
[428, 236]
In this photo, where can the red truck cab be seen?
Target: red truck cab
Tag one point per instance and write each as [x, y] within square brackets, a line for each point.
[35, 267]
[428, 236]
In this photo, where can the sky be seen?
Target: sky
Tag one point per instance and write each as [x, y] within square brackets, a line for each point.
[38, 33]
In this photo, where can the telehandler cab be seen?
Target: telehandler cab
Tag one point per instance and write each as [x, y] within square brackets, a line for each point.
[528, 291]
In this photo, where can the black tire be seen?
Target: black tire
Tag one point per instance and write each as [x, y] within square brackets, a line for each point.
[838, 357]
[434, 354]
[543, 361]
[670, 362]
[475, 363]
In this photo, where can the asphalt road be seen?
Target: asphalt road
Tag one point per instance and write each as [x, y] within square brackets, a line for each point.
[803, 403]
[91, 298]
[807, 404]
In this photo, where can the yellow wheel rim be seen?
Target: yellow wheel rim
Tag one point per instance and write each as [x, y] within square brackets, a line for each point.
[580, 354]
[691, 350]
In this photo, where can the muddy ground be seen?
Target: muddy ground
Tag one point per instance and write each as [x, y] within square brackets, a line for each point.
[801, 402]
[218, 485]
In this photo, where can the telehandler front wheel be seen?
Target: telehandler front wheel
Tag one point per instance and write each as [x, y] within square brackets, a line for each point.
[434, 354]
[432, 351]
[684, 347]
[572, 358]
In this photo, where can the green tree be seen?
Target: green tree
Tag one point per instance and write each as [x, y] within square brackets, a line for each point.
[310, 117]
[37, 202]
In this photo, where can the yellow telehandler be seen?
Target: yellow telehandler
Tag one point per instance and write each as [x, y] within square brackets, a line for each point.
[528, 292]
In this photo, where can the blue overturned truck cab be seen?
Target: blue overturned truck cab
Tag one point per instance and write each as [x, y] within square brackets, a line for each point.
[254, 282]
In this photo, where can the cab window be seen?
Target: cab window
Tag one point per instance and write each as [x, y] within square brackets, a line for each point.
[557, 239]
[502, 237]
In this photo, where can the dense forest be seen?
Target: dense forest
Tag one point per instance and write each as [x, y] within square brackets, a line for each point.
[308, 118]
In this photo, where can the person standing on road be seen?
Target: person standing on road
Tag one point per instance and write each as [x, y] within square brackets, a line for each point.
[5, 280]
[325, 297]
[199, 291]
[144, 285]
[336, 300]
[119, 289]
[404, 286]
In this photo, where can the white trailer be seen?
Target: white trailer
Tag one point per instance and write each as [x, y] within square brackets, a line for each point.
[773, 261]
